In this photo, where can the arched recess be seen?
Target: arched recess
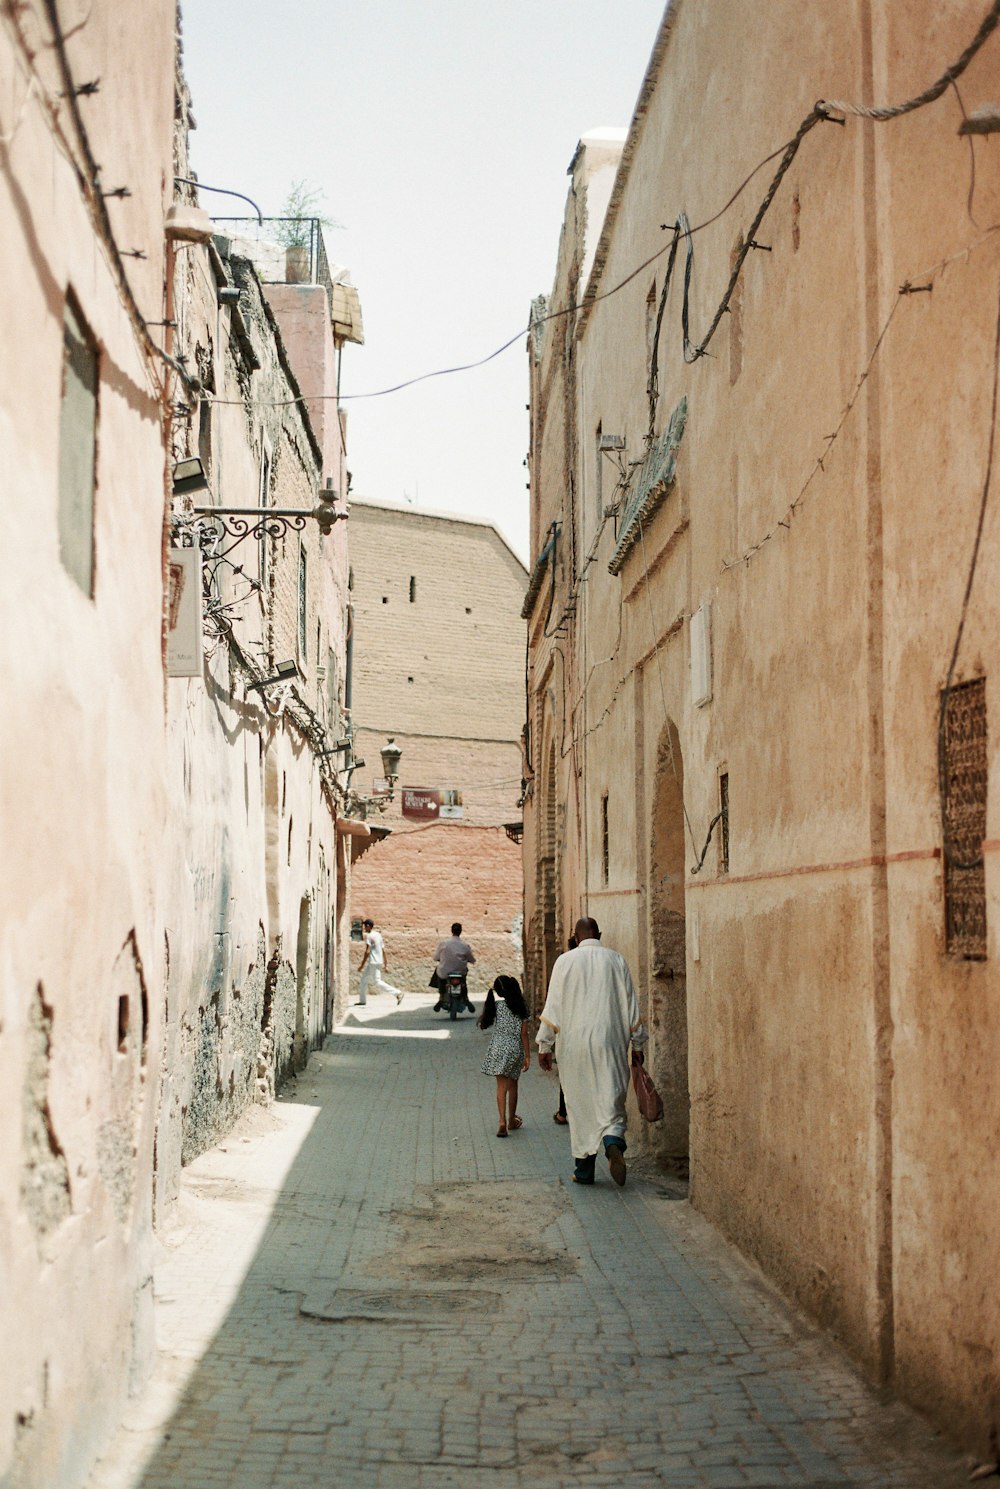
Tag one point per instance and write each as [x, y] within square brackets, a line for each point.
[302, 969]
[548, 873]
[668, 947]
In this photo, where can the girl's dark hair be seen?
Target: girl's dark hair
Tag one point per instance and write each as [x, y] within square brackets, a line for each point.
[510, 991]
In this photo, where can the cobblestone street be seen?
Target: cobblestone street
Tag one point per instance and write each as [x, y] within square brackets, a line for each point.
[365, 1287]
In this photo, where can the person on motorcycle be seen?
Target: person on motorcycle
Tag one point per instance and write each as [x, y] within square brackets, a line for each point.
[454, 956]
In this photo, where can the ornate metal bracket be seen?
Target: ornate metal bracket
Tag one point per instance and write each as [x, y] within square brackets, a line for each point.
[207, 527]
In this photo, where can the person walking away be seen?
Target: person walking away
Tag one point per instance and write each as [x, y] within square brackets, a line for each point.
[371, 966]
[591, 1015]
[509, 1052]
[454, 956]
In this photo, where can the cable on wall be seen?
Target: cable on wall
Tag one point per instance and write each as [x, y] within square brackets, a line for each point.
[96, 199]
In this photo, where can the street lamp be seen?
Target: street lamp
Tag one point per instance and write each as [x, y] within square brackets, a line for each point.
[391, 756]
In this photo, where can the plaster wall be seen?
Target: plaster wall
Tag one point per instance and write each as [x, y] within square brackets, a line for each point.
[253, 971]
[81, 826]
[824, 505]
[937, 386]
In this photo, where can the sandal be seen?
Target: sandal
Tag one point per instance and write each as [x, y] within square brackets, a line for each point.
[501, 1131]
[515, 1123]
[558, 1117]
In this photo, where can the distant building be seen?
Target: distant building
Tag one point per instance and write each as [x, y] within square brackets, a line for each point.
[437, 653]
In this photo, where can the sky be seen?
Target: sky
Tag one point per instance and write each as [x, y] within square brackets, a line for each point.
[439, 133]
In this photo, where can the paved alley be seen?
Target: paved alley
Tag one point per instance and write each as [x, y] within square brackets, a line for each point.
[364, 1287]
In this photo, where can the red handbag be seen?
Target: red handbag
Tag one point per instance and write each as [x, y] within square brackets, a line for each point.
[646, 1094]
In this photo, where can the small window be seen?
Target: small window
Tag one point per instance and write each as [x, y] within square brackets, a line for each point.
[413, 589]
[332, 684]
[205, 435]
[650, 324]
[385, 599]
[605, 840]
[736, 317]
[599, 475]
[78, 448]
[963, 767]
[303, 590]
[724, 823]
[264, 500]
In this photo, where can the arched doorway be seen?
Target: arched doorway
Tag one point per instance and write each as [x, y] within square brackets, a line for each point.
[302, 990]
[668, 948]
[548, 886]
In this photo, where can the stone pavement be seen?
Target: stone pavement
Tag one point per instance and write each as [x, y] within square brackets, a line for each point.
[364, 1287]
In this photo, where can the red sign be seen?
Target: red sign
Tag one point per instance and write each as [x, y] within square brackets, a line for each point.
[422, 802]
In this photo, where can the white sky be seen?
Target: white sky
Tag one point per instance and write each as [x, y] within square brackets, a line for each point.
[439, 132]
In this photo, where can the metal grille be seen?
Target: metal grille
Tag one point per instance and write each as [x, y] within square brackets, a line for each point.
[964, 781]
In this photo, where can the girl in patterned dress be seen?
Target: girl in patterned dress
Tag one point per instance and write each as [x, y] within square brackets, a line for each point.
[506, 1013]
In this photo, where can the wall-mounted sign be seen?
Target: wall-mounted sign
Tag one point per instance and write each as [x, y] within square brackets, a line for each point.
[431, 803]
[451, 806]
[184, 601]
[422, 802]
[380, 786]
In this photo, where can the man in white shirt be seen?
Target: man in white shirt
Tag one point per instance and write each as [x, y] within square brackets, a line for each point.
[591, 1015]
[455, 955]
[371, 964]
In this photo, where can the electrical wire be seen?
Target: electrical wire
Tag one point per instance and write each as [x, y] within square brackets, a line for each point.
[89, 182]
[914, 285]
[824, 110]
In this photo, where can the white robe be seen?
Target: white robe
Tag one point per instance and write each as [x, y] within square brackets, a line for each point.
[591, 1015]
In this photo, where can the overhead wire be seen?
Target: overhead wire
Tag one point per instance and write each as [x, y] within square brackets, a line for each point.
[88, 172]
[823, 110]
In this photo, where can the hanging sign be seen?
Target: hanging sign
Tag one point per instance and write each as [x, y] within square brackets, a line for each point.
[184, 601]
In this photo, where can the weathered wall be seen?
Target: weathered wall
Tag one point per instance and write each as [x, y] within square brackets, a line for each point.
[840, 1116]
[82, 826]
[253, 975]
[172, 865]
[439, 665]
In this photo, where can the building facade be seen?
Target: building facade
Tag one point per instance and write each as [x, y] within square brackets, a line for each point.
[438, 664]
[174, 902]
[762, 732]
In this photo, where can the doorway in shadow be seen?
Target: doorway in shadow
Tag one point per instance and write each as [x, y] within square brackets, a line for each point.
[668, 949]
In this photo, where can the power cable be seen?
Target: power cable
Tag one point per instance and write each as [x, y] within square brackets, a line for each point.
[96, 200]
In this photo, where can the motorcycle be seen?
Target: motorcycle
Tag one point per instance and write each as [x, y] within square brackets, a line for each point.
[453, 995]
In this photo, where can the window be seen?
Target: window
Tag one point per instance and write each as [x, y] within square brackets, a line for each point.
[724, 823]
[963, 769]
[413, 589]
[605, 840]
[264, 500]
[650, 326]
[303, 576]
[78, 448]
[332, 686]
[599, 476]
[736, 317]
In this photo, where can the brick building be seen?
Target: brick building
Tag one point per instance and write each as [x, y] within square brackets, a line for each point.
[438, 663]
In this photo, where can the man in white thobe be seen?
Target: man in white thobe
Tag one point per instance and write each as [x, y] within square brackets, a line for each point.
[590, 1018]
